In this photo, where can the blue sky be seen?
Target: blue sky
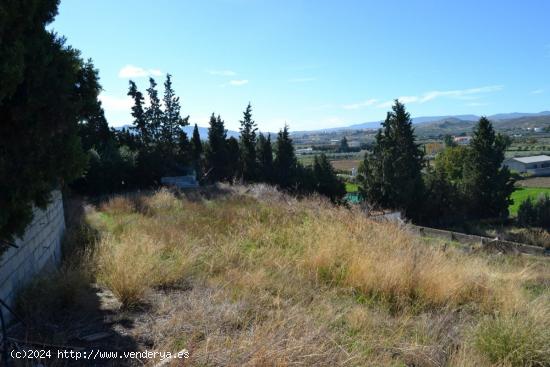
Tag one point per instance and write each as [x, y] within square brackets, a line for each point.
[317, 64]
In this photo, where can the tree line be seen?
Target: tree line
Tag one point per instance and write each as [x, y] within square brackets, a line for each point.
[156, 145]
[464, 183]
[54, 132]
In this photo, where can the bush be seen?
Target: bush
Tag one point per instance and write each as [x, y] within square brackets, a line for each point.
[535, 214]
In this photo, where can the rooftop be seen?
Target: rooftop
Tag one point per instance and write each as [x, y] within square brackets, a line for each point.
[533, 159]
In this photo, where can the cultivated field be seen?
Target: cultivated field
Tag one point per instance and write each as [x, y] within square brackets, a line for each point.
[534, 182]
[247, 276]
[346, 164]
[523, 193]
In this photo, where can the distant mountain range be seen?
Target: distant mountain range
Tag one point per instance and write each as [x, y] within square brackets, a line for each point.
[428, 119]
[455, 125]
[203, 131]
[425, 125]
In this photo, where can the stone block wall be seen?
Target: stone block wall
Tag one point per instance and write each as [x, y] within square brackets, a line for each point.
[38, 249]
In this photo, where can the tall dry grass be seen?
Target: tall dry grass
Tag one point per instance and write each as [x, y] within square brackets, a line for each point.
[270, 280]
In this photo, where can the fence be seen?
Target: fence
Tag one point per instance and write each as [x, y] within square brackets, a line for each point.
[468, 239]
[37, 249]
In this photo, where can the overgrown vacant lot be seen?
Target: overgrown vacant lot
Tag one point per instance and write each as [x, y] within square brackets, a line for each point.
[252, 277]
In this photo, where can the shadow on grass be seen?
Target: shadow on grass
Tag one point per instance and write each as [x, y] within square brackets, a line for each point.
[64, 312]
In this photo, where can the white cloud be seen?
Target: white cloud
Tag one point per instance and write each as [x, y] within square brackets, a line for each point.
[113, 103]
[537, 91]
[238, 83]
[356, 106]
[155, 72]
[301, 80]
[470, 93]
[222, 72]
[131, 71]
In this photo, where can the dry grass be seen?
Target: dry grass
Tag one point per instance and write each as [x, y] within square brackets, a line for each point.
[254, 278]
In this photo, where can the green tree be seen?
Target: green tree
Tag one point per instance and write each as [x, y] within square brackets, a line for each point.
[326, 181]
[247, 142]
[233, 155]
[174, 139]
[535, 214]
[108, 170]
[138, 113]
[285, 160]
[93, 128]
[42, 96]
[154, 114]
[196, 149]
[451, 162]
[443, 203]
[448, 141]
[486, 184]
[197, 143]
[527, 214]
[391, 176]
[216, 154]
[344, 147]
[264, 155]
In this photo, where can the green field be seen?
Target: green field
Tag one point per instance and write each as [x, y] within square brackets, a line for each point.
[521, 194]
[351, 187]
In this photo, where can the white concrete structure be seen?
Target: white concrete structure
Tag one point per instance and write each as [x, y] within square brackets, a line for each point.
[537, 165]
[39, 248]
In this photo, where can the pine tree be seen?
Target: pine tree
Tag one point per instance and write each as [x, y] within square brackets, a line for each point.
[196, 149]
[264, 155]
[326, 181]
[197, 143]
[285, 160]
[153, 113]
[344, 147]
[216, 154]
[174, 138]
[247, 145]
[486, 184]
[233, 155]
[391, 176]
[138, 113]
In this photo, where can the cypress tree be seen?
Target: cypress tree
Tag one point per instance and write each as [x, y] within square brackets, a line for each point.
[326, 181]
[43, 93]
[264, 155]
[344, 147]
[391, 176]
[285, 162]
[196, 150]
[232, 159]
[486, 184]
[247, 145]
[197, 143]
[138, 113]
[216, 154]
[153, 113]
[174, 138]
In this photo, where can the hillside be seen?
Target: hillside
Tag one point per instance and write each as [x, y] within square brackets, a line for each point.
[248, 276]
[456, 126]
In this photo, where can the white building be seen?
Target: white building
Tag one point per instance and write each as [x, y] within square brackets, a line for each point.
[462, 140]
[537, 165]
